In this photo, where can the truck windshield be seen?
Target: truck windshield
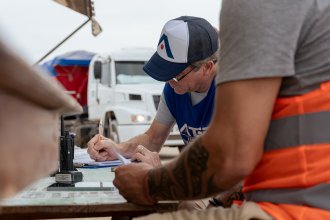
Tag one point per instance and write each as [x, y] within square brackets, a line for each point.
[132, 73]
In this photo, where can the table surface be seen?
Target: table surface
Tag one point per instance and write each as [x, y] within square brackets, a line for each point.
[36, 202]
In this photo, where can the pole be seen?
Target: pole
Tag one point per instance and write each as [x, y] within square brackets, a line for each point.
[70, 35]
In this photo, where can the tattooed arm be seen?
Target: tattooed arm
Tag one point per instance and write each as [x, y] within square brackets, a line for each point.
[228, 151]
[184, 177]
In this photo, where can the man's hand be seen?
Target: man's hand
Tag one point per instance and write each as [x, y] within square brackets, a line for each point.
[142, 154]
[100, 148]
[131, 181]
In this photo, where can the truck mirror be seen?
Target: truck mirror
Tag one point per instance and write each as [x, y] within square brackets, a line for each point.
[97, 69]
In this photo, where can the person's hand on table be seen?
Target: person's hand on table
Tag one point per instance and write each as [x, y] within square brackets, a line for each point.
[131, 181]
[142, 154]
[100, 148]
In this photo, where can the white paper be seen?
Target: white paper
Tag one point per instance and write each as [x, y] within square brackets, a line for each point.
[121, 157]
[82, 157]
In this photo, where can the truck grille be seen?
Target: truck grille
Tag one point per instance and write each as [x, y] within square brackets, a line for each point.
[156, 100]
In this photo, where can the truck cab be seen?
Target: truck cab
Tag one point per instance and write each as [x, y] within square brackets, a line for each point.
[124, 94]
[112, 88]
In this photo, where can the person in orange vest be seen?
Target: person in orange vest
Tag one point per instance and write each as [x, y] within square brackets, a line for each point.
[271, 122]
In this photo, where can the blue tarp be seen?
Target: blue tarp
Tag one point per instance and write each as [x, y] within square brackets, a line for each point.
[74, 58]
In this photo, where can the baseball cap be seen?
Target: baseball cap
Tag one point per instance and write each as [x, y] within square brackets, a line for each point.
[183, 41]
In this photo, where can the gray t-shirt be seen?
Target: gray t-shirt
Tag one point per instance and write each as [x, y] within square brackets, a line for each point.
[282, 38]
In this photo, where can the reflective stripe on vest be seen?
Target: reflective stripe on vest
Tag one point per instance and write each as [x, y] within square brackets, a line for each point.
[308, 129]
[295, 167]
[317, 196]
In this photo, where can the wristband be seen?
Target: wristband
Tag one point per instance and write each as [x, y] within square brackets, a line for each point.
[216, 203]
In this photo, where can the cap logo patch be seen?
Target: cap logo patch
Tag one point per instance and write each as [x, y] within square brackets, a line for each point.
[163, 42]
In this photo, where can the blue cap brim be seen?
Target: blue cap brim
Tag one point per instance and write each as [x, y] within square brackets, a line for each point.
[163, 70]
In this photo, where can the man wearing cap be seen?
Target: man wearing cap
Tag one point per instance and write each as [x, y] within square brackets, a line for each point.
[185, 60]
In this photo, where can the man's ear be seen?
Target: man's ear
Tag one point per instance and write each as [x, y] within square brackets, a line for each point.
[209, 65]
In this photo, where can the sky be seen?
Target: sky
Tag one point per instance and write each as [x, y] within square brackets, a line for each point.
[32, 28]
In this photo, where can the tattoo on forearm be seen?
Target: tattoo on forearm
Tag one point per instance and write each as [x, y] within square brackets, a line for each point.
[181, 178]
[190, 177]
[197, 165]
[158, 180]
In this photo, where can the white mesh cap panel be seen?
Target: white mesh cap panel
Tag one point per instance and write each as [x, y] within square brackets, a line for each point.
[174, 42]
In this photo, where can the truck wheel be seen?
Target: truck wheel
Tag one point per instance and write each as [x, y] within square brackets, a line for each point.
[113, 132]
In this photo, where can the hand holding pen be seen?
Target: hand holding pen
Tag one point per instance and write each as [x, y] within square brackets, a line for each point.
[97, 146]
[101, 148]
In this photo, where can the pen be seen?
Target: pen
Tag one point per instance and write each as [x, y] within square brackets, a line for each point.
[100, 132]
[100, 127]
[119, 156]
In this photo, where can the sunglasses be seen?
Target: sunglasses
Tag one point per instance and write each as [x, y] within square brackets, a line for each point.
[178, 79]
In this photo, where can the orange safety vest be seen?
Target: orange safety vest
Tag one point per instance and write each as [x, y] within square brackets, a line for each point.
[292, 179]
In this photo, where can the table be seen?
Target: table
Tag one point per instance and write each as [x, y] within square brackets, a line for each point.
[36, 202]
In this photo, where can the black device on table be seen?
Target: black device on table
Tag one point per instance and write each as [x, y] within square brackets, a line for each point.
[68, 178]
[67, 174]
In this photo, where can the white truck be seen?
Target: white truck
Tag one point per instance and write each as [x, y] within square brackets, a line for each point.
[118, 92]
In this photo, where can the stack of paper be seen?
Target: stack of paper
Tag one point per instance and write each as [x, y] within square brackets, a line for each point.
[82, 159]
